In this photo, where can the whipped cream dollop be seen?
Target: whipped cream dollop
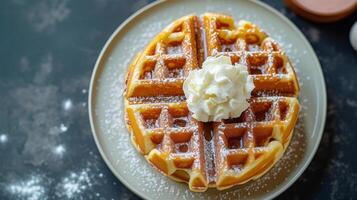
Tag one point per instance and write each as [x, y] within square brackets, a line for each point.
[219, 90]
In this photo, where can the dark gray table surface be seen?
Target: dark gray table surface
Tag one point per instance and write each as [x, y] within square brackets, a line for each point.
[47, 52]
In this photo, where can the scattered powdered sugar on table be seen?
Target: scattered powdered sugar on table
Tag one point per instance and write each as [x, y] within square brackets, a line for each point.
[30, 189]
[110, 115]
[74, 184]
[59, 150]
[3, 138]
[67, 104]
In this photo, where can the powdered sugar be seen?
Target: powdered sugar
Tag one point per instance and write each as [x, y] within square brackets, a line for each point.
[67, 104]
[30, 189]
[74, 184]
[59, 150]
[3, 138]
[157, 99]
[210, 157]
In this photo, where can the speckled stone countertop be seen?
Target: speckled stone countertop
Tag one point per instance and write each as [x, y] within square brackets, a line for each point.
[48, 49]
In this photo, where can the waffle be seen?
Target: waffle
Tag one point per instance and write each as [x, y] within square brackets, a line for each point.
[213, 154]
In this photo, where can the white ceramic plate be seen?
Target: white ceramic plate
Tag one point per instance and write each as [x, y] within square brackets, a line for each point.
[106, 101]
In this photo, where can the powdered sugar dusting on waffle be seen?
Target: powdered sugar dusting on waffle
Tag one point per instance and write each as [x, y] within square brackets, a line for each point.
[210, 157]
[148, 178]
[280, 36]
[157, 99]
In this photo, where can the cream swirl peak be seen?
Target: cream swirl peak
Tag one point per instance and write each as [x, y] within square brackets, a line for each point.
[219, 90]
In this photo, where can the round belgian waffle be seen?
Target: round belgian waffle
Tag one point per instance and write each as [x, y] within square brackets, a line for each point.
[214, 154]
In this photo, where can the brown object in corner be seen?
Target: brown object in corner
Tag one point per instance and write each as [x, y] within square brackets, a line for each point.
[322, 10]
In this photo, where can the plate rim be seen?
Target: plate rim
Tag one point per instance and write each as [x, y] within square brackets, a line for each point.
[96, 71]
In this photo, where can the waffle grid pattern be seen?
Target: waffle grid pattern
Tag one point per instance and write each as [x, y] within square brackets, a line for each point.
[220, 154]
[165, 62]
